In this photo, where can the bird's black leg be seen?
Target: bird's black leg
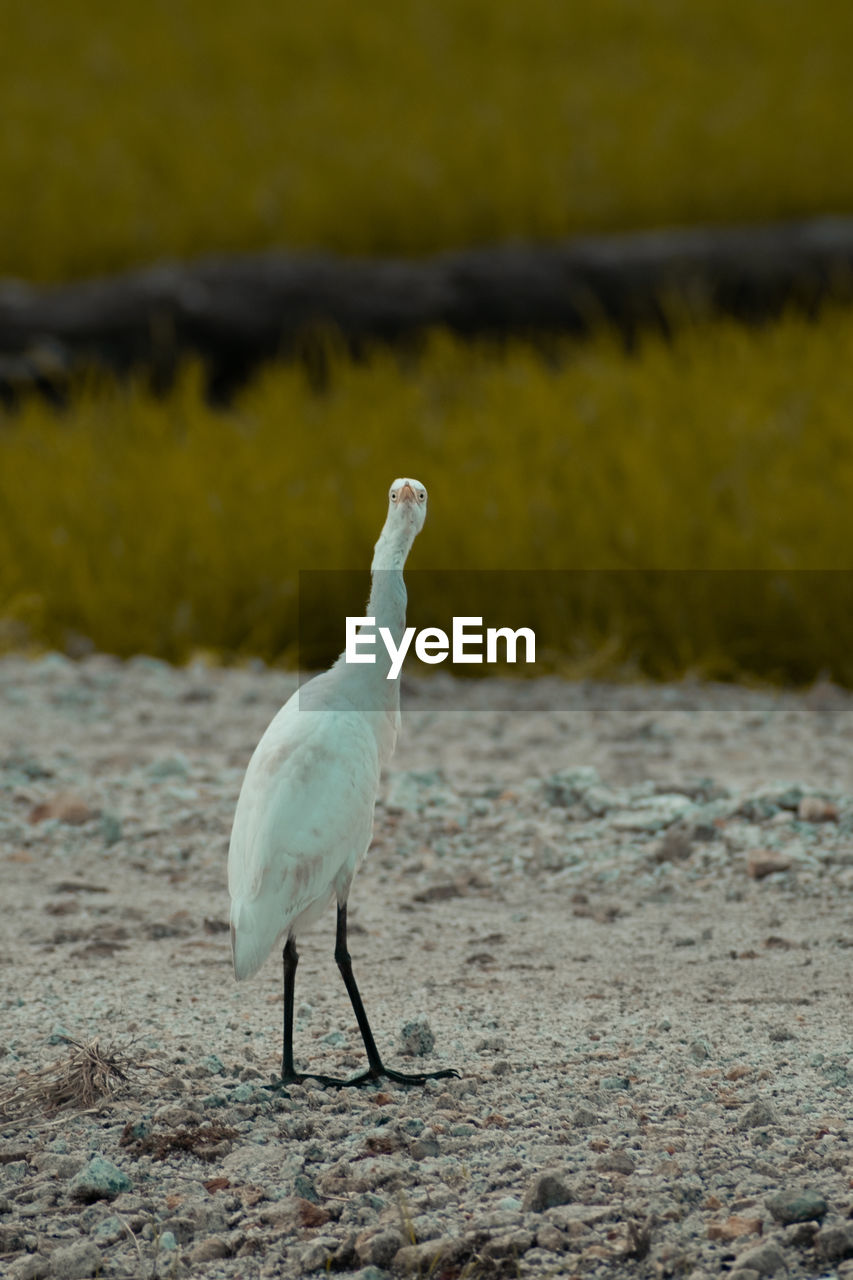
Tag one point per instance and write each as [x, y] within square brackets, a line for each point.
[289, 961]
[289, 1074]
[376, 1068]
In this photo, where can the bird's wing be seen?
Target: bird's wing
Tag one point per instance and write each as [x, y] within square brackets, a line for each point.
[304, 818]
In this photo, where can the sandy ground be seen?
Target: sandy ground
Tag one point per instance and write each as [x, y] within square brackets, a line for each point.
[623, 912]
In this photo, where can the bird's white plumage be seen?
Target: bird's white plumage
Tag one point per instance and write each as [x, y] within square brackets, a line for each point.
[304, 821]
[304, 818]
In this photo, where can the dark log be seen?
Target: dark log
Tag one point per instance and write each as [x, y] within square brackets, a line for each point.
[236, 312]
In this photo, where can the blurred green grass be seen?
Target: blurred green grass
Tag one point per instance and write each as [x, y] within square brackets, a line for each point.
[181, 127]
[164, 526]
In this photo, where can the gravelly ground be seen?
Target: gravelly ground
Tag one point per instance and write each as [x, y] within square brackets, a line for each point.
[625, 913]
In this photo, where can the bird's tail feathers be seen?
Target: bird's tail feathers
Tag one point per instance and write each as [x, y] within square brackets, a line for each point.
[249, 949]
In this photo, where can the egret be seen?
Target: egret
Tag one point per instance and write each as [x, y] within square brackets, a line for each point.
[304, 818]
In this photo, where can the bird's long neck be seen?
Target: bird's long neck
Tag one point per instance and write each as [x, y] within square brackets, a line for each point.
[365, 686]
[387, 603]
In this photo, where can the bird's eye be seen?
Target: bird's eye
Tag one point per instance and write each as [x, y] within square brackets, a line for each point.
[393, 495]
[421, 495]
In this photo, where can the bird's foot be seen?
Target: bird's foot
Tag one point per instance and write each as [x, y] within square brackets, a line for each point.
[374, 1074]
[371, 1076]
[405, 1077]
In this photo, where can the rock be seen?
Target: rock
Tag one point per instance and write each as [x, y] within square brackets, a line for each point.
[15, 1171]
[814, 809]
[551, 1238]
[30, 1267]
[57, 1164]
[310, 1214]
[789, 798]
[13, 1237]
[756, 809]
[597, 801]
[766, 862]
[99, 1180]
[209, 1249]
[506, 1248]
[411, 792]
[764, 1259]
[433, 1256]
[583, 1117]
[545, 1191]
[614, 1162]
[245, 1092]
[76, 1261]
[735, 1227]
[181, 1229]
[383, 1141]
[835, 1243]
[62, 807]
[108, 1231]
[293, 1212]
[416, 1038]
[595, 1253]
[172, 1115]
[675, 845]
[111, 828]
[21, 762]
[615, 1084]
[797, 1206]
[318, 1253]
[304, 1188]
[378, 1247]
[174, 766]
[655, 813]
[759, 1114]
[801, 1235]
[422, 1148]
[562, 790]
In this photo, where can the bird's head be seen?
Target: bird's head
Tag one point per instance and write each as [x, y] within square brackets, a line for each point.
[407, 500]
[407, 504]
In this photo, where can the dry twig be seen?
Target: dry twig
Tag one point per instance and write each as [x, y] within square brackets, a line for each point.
[89, 1073]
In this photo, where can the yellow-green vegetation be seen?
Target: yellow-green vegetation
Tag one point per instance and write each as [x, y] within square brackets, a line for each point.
[186, 126]
[167, 527]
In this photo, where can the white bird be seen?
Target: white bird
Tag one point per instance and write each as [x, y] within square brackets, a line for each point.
[304, 819]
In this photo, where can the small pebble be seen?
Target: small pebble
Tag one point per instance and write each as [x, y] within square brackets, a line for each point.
[761, 1113]
[797, 1206]
[834, 1242]
[99, 1180]
[814, 809]
[416, 1038]
[75, 1261]
[766, 862]
[547, 1190]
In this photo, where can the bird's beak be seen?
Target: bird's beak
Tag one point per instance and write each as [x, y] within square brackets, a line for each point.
[406, 494]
